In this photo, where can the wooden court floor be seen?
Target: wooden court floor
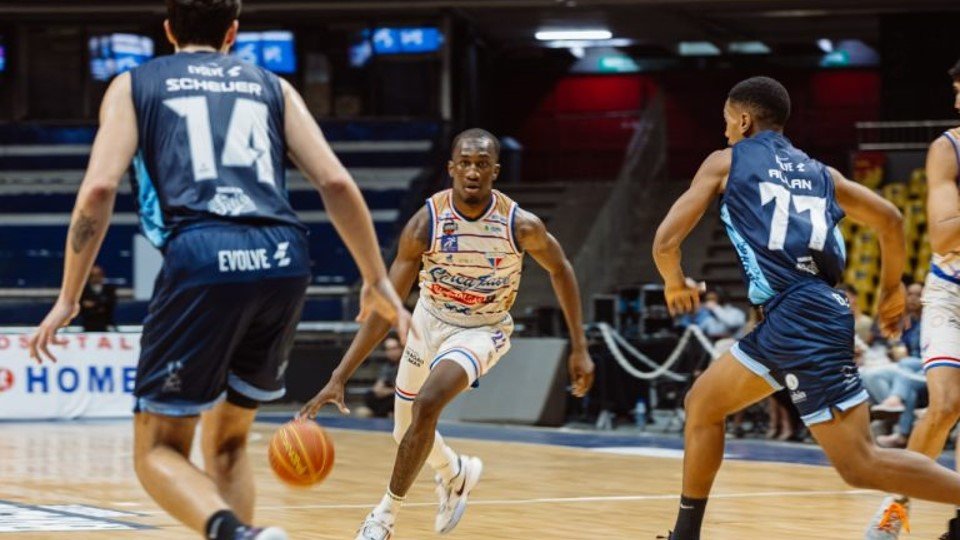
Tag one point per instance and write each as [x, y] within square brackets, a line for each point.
[527, 492]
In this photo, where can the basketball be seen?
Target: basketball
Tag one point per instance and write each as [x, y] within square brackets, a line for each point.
[301, 453]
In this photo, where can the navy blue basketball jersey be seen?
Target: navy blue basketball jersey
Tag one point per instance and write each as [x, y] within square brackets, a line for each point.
[781, 213]
[211, 143]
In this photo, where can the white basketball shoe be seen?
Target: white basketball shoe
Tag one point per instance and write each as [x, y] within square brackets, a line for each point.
[376, 527]
[453, 495]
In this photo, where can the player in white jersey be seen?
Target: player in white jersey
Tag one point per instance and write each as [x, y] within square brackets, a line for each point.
[940, 321]
[466, 245]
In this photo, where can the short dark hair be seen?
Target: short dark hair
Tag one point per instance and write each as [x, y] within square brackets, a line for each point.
[202, 22]
[954, 72]
[477, 133]
[768, 98]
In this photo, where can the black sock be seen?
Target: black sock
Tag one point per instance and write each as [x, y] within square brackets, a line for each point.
[223, 525]
[689, 519]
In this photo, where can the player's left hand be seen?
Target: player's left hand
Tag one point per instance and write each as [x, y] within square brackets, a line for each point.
[46, 334]
[890, 310]
[581, 372]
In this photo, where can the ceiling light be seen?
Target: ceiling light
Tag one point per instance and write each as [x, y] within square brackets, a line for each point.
[825, 45]
[748, 47]
[698, 48]
[562, 35]
[619, 42]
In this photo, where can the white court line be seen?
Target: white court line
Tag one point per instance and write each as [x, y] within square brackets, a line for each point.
[569, 500]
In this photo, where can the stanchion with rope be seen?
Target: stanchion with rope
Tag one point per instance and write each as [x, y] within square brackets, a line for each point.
[617, 344]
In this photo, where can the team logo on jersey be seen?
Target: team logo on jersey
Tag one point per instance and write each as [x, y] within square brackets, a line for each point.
[494, 261]
[281, 255]
[851, 376]
[449, 227]
[231, 201]
[449, 244]
[173, 382]
[808, 265]
[793, 385]
[841, 299]
[462, 297]
[489, 283]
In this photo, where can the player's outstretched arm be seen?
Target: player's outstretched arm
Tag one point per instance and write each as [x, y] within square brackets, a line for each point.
[344, 203]
[414, 241]
[113, 148]
[867, 208]
[534, 239]
[682, 294]
[943, 197]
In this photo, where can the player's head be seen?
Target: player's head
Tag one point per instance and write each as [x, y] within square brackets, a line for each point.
[755, 105]
[393, 349]
[914, 303]
[96, 275]
[954, 73]
[474, 165]
[207, 23]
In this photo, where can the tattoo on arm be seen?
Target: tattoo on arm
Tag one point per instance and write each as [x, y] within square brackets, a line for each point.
[84, 228]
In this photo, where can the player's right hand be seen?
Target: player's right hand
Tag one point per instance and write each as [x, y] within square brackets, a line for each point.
[890, 309]
[382, 299]
[331, 393]
[683, 297]
[46, 334]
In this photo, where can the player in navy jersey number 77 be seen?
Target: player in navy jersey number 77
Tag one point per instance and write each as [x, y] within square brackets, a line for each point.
[781, 210]
[207, 135]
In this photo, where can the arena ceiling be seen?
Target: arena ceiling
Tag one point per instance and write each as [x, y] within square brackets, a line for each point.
[661, 23]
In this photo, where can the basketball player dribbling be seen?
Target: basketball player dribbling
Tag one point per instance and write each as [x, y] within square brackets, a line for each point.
[467, 246]
[940, 322]
[781, 210]
[207, 134]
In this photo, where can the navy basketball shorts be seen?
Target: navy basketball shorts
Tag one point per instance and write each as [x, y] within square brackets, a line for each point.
[223, 316]
[805, 344]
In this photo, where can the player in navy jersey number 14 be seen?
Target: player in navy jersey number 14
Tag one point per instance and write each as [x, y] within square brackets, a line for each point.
[780, 209]
[207, 134]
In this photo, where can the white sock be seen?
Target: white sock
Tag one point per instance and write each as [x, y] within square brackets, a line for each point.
[390, 504]
[450, 470]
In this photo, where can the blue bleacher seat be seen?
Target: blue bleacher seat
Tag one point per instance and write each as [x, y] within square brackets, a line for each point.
[41, 165]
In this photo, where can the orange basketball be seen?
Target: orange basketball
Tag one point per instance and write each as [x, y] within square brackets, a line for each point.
[301, 453]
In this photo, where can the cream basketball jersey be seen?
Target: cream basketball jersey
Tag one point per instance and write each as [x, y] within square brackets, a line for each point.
[947, 265]
[471, 271]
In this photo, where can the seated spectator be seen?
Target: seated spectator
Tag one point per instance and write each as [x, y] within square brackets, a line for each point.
[718, 318]
[97, 302]
[914, 307]
[862, 323]
[379, 399]
[896, 388]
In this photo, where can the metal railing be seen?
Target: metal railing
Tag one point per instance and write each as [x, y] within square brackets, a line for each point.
[892, 136]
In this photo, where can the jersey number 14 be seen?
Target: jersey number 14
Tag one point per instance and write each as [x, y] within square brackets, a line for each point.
[817, 206]
[246, 144]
